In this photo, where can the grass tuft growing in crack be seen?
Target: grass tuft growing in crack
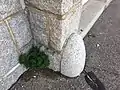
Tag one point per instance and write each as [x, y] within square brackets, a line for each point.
[34, 58]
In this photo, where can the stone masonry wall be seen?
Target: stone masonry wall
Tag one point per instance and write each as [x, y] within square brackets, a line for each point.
[15, 38]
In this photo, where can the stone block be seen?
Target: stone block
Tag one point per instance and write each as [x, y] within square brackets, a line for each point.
[54, 6]
[21, 29]
[8, 52]
[55, 60]
[8, 7]
[49, 26]
[54, 57]
[38, 24]
[6, 82]
[60, 30]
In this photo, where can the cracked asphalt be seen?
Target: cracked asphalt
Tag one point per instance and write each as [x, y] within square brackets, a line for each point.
[103, 58]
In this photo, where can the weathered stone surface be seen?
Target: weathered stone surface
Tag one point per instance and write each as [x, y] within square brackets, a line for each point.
[8, 55]
[73, 56]
[38, 24]
[21, 29]
[6, 82]
[54, 57]
[60, 30]
[54, 6]
[8, 7]
[52, 30]
[14, 28]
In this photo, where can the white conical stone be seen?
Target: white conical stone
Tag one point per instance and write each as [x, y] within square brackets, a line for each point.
[73, 56]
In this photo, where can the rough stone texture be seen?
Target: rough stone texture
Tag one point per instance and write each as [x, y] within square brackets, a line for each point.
[73, 56]
[52, 29]
[21, 29]
[61, 30]
[55, 60]
[8, 7]
[17, 21]
[7, 81]
[8, 53]
[55, 6]
[54, 57]
[38, 24]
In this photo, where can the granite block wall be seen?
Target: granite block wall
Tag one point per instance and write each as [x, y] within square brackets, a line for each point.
[15, 38]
